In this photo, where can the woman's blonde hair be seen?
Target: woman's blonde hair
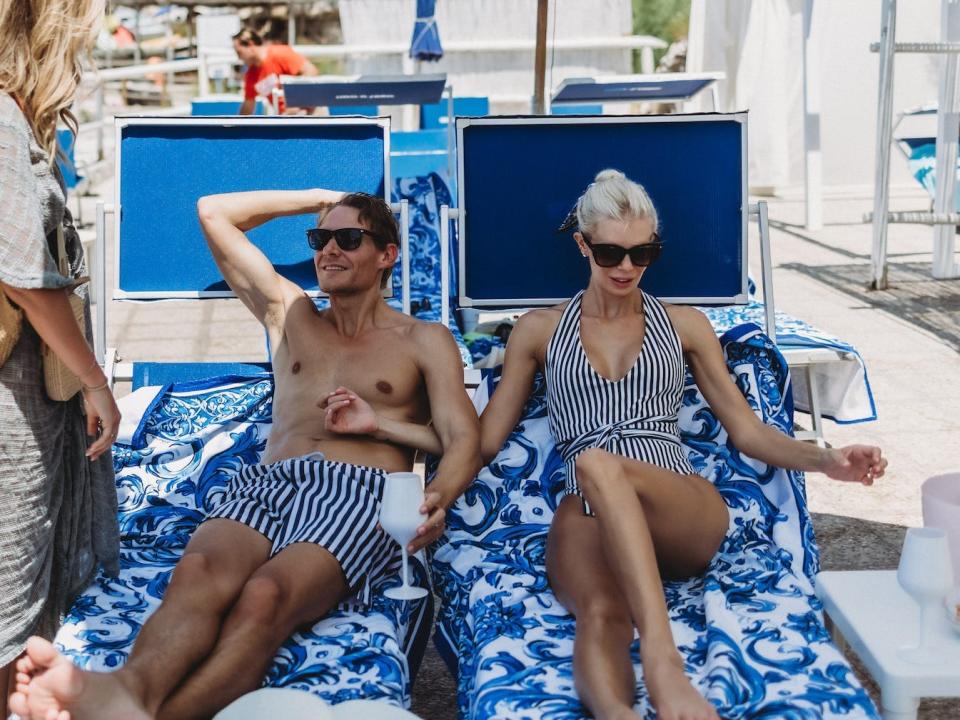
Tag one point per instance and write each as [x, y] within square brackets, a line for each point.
[42, 47]
[613, 196]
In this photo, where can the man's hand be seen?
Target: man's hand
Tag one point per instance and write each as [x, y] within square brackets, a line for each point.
[855, 463]
[349, 414]
[433, 526]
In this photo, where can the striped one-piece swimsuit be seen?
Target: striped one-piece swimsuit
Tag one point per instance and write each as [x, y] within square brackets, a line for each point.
[635, 416]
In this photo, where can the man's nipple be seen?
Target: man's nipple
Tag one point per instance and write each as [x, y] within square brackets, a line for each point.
[384, 387]
[296, 368]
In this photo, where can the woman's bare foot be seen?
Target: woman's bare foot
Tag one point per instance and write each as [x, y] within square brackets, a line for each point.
[50, 687]
[671, 693]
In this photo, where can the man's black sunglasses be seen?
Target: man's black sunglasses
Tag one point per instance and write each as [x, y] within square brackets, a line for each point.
[606, 255]
[347, 238]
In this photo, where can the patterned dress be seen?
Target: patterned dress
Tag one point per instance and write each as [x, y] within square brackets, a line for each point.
[57, 509]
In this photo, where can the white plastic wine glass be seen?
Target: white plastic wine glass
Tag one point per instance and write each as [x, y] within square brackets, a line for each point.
[400, 517]
[925, 573]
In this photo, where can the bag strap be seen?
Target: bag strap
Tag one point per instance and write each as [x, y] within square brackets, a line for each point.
[63, 262]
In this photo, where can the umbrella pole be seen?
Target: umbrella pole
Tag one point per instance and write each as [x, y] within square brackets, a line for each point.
[540, 61]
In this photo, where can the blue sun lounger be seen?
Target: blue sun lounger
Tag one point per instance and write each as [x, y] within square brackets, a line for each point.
[190, 426]
[751, 629]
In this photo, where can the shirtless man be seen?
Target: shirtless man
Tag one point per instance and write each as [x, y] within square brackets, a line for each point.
[248, 578]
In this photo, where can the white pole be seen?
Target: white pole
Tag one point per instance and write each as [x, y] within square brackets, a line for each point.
[646, 60]
[813, 177]
[948, 125]
[99, 284]
[881, 185]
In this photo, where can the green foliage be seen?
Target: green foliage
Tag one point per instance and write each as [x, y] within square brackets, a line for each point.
[665, 19]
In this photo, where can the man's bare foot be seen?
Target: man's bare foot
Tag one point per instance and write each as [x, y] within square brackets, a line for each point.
[671, 693]
[50, 687]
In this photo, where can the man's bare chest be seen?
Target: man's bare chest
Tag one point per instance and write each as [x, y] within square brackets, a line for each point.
[380, 370]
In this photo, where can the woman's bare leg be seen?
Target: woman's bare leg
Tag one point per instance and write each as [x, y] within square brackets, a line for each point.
[585, 585]
[652, 522]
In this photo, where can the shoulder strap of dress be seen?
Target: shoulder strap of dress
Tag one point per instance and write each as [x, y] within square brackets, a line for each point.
[569, 315]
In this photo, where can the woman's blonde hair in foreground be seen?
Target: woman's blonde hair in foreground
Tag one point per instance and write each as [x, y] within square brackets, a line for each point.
[42, 47]
[613, 196]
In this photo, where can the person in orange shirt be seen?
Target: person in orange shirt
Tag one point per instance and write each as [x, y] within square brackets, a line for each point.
[265, 63]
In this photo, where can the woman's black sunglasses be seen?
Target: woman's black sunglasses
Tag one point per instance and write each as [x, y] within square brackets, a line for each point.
[606, 255]
[347, 238]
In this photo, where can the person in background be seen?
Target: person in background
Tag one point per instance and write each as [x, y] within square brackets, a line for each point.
[58, 501]
[265, 64]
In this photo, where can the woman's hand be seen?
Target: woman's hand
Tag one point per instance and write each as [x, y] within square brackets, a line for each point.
[854, 463]
[103, 414]
[349, 414]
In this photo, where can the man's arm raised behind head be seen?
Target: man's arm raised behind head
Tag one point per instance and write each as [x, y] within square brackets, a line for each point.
[455, 422]
[226, 218]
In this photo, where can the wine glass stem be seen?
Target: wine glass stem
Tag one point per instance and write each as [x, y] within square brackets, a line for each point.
[406, 580]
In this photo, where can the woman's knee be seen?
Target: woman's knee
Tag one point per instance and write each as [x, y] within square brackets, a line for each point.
[604, 612]
[598, 472]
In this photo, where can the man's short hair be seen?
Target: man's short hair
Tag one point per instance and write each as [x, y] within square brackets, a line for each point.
[379, 218]
[247, 37]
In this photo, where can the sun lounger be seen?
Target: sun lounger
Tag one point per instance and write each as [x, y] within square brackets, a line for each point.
[192, 431]
[751, 630]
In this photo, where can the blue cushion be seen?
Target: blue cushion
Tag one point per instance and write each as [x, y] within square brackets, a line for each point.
[434, 115]
[576, 109]
[203, 107]
[366, 110]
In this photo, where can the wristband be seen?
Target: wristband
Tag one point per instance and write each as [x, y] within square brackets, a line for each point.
[87, 388]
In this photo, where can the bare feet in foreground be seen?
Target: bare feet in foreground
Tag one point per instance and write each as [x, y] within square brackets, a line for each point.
[50, 687]
[671, 693]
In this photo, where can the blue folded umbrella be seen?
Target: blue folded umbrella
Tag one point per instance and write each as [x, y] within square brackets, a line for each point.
[425, 44]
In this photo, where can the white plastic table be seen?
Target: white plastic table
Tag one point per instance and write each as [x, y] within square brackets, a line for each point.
[875, 617]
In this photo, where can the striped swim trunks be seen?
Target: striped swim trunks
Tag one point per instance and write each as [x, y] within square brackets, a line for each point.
[311, 500]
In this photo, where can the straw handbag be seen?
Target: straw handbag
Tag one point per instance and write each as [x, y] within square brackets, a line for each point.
[10, 319]
[60, 381]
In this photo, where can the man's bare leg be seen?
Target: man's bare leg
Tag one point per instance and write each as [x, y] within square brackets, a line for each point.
[655, 521]
[298, 586]
[206, 582]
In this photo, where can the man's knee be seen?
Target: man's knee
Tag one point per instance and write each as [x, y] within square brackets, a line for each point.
[260, 604]
[196, 574]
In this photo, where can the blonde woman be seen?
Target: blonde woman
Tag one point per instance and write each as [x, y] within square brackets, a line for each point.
[57, 498]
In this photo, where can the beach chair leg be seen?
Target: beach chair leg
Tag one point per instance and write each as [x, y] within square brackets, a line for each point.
[813, 396]
[893, 706]
[836, 635]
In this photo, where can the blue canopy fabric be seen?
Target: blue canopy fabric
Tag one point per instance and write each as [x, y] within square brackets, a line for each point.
[425, 44]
